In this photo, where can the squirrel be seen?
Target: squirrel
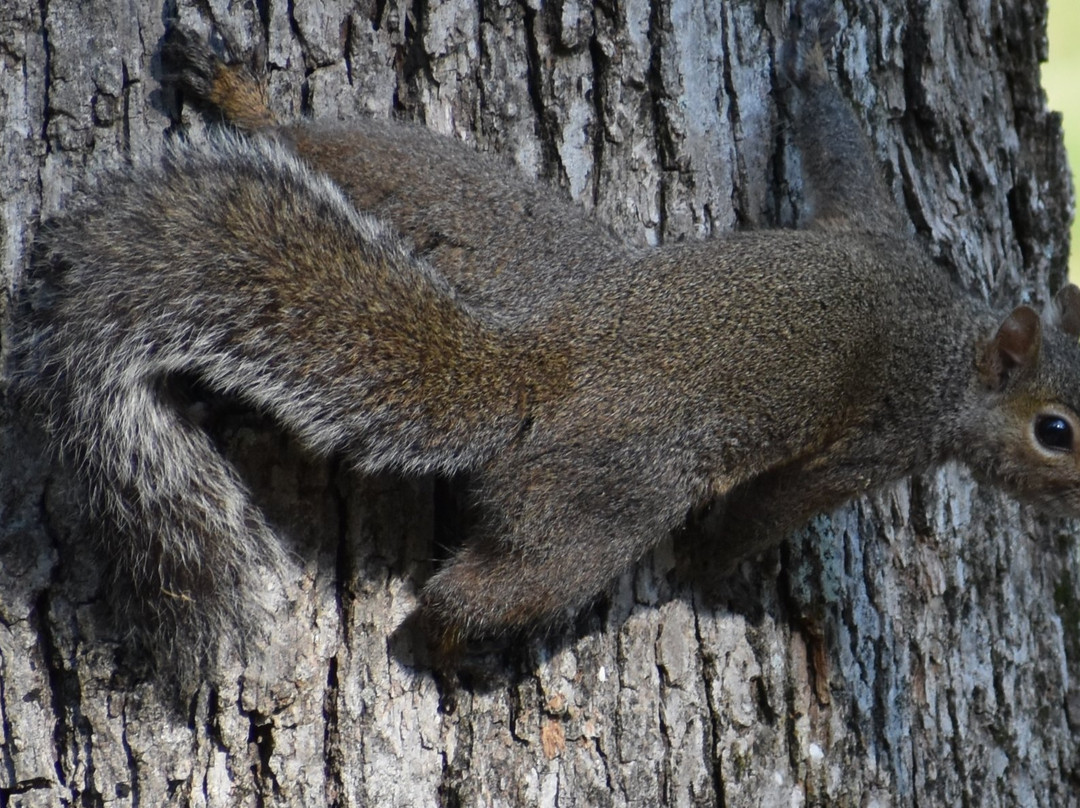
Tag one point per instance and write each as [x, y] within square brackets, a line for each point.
[395, 298]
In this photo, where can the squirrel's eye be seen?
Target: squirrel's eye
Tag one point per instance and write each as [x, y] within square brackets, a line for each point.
[1054, 433]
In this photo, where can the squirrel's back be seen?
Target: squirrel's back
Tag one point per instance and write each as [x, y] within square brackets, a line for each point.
[507, 243]
[504, 241]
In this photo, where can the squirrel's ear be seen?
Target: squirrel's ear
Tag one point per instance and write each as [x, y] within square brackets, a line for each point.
[1064, 311]
[1015, 347]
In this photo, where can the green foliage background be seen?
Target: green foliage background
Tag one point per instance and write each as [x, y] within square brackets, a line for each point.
[1061, 78]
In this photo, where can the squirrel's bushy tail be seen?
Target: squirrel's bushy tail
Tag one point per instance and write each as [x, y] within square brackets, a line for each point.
[187, 549]
[237, 268]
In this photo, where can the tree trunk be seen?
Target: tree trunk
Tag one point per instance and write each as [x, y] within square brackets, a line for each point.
[921, 647]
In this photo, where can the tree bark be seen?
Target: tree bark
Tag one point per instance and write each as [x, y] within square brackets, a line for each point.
[921, 647]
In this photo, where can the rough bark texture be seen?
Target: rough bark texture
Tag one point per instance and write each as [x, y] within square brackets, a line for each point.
[921, 647]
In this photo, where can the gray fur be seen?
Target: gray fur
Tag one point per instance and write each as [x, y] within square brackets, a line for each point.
[597, 393]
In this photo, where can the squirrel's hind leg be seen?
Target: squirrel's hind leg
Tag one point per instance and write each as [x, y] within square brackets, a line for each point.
[562, 526]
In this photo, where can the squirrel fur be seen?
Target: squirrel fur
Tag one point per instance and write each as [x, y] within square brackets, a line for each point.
[395, 298]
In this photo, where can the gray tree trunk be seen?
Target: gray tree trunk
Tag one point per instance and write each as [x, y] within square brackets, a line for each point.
[919, 648]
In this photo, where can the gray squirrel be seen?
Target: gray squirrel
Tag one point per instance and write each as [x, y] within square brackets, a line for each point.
[596, 393]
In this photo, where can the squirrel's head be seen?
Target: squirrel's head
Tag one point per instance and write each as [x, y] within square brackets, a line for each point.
[1029, 379]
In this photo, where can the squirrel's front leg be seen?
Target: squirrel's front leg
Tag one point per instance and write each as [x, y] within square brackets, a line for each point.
[764, 511]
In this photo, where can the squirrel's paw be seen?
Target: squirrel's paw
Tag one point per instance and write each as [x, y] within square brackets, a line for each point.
[214, 83]
[189, 62]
